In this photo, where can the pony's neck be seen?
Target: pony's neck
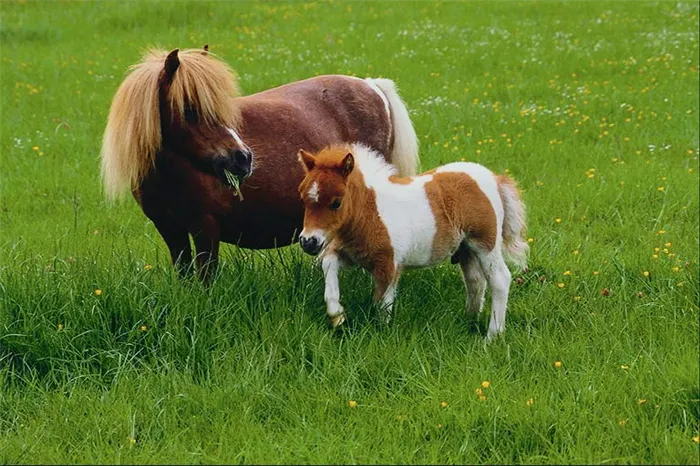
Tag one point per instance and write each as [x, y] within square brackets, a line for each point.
[357, 226]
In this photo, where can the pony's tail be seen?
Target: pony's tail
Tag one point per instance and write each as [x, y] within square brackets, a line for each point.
[515, 248]
[404, 156]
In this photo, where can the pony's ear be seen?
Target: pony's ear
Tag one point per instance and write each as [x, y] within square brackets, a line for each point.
[307, 160]
[172, 62]
[206, 50]
[347, 165]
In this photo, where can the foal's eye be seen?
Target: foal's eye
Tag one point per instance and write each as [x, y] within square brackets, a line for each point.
[335, 205]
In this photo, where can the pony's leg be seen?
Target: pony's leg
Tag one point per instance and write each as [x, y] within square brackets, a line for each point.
[331, 264]
[386, 279]
[474, 281]
[174, 234]
[498, 277]
[206, 243]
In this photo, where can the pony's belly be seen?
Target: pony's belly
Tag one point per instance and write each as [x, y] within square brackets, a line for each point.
[261, 232]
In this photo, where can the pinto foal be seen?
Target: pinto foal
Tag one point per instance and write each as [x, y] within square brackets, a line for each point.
[358, 211]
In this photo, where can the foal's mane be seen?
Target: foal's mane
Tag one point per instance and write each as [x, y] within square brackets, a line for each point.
[133, 133]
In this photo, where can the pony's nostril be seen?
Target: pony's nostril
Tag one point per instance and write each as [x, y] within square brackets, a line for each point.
[241, 157]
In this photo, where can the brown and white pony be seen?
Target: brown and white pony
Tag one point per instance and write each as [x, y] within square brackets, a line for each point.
[180, 137]
[358, 210]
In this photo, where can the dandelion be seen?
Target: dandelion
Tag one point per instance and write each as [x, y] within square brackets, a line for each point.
[661, 232]
[529, 402]
[35, 148]
[438, 426]
[646, 274]
[479, 392]
[531, 240]
[482, 398]
[98, 292]
[443, 404]
[668, 244]
[557, 364]
[642, 401]
[561, 285]
[147, 267]
[595, 273]
[485, 384]
[622, 422]
[352, 403]
[143, 328]
[660, 188]
[696, 439]
[558, 220]
[567, 272]
[577, 298]
[624, 367]
[60, 327]
[575, 252]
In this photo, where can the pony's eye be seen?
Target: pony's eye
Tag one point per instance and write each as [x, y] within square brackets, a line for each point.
[335, 205]
[190, 114]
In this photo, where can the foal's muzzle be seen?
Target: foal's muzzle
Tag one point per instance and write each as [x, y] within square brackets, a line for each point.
[311, 245]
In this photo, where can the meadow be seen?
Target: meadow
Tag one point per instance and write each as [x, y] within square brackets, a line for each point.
[107, 357]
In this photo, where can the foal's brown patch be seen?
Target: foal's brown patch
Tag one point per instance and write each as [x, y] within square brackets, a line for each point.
[446, 194]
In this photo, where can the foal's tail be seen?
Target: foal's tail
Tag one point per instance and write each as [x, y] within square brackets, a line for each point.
[404, 156]
[515, 247]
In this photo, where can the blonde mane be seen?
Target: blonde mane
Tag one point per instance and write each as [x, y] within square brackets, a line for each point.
[133, 133]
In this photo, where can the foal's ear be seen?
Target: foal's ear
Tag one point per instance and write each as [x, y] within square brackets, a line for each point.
[172, 62]
[206, 50]
[307, 160]
[347, 165]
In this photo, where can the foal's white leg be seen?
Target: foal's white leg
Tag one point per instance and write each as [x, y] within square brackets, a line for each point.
[388, 301]
[498, 277]
[386, 279]
[331, 264]
[474, 281]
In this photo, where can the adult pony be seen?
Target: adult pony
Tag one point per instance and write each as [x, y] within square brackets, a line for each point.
[182, 139]
[358, 211]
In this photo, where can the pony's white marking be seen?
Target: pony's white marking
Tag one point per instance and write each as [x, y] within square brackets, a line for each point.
[411, 235]
[376, 89]
[313, 191]
[317, 232]
[330, 265]
[236, 137]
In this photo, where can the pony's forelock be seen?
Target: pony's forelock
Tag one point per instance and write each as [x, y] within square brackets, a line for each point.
[133, 133]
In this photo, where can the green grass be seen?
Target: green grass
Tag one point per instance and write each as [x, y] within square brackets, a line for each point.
[591, 106]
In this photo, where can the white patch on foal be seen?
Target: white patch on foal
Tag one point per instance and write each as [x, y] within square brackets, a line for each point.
[313, 191]
[411, 235]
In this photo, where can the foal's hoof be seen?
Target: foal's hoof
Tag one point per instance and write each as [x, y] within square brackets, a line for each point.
[337, 320]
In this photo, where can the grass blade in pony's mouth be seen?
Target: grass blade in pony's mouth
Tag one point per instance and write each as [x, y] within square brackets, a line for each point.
[234, 183]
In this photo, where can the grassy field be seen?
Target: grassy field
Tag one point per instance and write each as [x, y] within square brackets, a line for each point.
[105, 357]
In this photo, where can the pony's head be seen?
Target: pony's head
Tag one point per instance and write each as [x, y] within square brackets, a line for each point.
[177, 104]
[324, 192]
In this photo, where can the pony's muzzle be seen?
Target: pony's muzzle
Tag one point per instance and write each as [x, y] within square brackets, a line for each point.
[238, 163]
[311, 244]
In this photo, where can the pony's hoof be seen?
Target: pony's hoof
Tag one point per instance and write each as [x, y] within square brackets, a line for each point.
[337, 320]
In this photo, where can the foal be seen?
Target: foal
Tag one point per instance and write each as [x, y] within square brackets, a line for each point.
[358, 211]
